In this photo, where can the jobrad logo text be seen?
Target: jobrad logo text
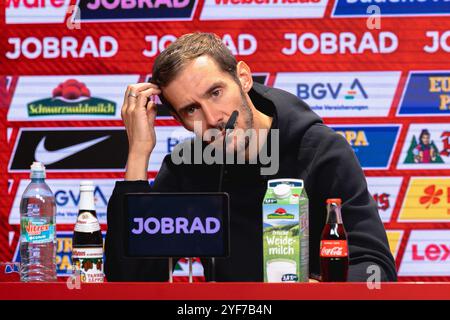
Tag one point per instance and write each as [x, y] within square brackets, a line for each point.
[179, 225]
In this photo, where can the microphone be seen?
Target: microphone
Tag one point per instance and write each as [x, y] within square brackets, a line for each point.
[231, 123]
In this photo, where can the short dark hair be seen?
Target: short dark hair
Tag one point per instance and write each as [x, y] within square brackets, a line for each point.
[187, 48]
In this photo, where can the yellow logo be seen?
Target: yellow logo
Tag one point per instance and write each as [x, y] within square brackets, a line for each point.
[394, 238]
[441, 85]
[427, 199]
[354, 138]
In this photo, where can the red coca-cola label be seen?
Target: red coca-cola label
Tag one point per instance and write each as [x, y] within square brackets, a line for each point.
[333, 248]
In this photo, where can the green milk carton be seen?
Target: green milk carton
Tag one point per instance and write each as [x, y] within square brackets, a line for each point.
[285, 231]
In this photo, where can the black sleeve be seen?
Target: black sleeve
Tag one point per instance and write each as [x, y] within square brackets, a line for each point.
[118, 268]
[337, 174]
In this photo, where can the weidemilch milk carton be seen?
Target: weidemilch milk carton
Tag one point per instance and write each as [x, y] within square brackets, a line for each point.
[285, 231]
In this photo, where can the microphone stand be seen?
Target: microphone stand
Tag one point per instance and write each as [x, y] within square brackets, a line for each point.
[170, 270]
[222, 169]
[230, 125]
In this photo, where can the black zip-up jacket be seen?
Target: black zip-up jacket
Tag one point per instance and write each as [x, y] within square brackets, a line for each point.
[309, 150]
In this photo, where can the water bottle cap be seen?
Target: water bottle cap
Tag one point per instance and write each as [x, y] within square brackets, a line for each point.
[37, 166]
[37, 170]
[282, 191]
[87, 185]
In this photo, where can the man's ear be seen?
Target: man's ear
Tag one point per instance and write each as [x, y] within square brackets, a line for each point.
[245, 76]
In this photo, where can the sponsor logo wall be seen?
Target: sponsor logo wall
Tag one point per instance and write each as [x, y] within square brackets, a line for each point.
[385, 89]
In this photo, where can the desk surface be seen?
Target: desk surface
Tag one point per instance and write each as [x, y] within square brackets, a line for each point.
[225, 291]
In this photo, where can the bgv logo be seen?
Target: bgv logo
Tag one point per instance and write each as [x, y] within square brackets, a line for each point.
[323, 90]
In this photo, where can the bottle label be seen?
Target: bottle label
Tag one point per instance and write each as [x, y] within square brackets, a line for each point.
[37, 230]
[333, 248]
[88, 263]
[87, 223]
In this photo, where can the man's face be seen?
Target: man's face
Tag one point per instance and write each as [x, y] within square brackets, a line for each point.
[204, 96]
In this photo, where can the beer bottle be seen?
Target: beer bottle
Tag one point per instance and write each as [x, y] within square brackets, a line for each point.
[333, 245]
[87, 242]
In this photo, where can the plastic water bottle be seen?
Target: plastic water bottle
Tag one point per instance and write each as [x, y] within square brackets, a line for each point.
[37, 229]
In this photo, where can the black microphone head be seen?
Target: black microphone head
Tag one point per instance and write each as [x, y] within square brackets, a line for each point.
[232, 120]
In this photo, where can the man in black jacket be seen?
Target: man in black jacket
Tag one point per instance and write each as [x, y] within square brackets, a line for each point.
[201, 82]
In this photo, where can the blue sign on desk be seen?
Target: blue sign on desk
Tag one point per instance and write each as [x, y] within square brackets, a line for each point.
[176, 225]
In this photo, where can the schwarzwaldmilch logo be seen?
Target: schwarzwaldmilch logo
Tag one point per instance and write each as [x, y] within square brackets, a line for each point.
[280, 213]
[71, 97]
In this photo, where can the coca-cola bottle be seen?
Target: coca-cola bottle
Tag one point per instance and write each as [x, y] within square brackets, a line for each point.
[333, 245]
[87, 242]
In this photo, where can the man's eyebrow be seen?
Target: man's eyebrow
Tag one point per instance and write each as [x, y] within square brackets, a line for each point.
[207, 92]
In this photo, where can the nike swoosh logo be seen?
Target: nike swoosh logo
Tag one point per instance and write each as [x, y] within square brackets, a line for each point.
[49, 157]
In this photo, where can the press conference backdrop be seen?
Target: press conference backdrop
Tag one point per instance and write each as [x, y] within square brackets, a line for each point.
[381, 79]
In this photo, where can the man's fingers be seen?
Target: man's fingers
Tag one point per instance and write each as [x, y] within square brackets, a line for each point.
[139, 99]
[137, 87]
[131, 88]
[132, 93]
[143, 97]
[151, 111]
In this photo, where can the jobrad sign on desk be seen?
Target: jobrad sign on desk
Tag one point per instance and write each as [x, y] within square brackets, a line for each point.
[176, 225]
